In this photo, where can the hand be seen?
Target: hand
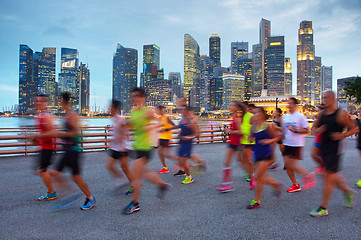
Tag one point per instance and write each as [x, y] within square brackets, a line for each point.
[265, 141]
[321, 129]
[337, 136]
[227, 131]
[292, 129]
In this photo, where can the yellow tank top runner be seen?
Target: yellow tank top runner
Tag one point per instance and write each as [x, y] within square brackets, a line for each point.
[168, 134]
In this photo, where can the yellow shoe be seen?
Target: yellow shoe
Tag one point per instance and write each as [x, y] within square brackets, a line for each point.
[187, 180]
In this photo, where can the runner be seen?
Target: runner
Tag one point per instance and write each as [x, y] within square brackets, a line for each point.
[70, 159]
[119, 149]
[234, 141]
[331, 123]
[358, 121]
[265, 135]
[140, 122]
[316, 152]
[164, 139]
[277, 124]
[295, 125]
[246, 146]
[46, 143]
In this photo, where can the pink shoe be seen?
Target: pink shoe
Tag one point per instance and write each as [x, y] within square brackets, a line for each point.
[252, 183]
[309, 181]
[225, 189]
[319, 170]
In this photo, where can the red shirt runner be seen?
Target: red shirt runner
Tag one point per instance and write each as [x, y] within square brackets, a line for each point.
[44, 143]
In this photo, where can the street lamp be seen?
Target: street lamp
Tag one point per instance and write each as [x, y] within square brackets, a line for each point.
[276, 102]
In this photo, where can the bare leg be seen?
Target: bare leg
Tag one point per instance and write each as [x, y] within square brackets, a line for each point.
[186, 166]
[112, 169]
[261, 168]
[329, 184]
[124, 165]
[47, 181]
[289, 164]
[316, 155]
[245, 157]
[161, 156]
[82, 185]
[138, 173]
[197, 158]
[228, 157]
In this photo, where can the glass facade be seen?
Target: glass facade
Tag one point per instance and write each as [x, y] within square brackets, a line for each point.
[233, 89]
[288, 77]
[206, 75]
[215, 49]
[191, 64]
[326, 78]
[275, 61]
[46, 77]
[84, 74]
[264, 34]
[244, 68]
[176, 85]
[257, 70]
[238, 50]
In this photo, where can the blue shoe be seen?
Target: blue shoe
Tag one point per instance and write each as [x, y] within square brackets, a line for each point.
[48, 196]
[66, 202]
[89, 203]
[130, 191]
[130, 208]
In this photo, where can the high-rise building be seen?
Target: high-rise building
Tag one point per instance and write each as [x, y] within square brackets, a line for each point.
[257, 85]
[27, 84]
[343, 101]
[191, 64]
[84, 74]
[216, 88]
[151, 63]
[161, 94]
[206, 75]
[46, 75]
[244, 68]
[326, 78]
[176, 85]
[125, 71]
[264, 34]
[275, 61]
[238, 50]
[288, 77]
[215, 49]
[233, 89]
[318, 65]
[69, 75]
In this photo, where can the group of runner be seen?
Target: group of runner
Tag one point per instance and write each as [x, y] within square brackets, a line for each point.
[249, 134]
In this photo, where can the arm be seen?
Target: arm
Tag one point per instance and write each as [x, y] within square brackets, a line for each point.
[316, 128]
[305, 127]
[275, 135]
[151, 115]
[73, 121]
[344, 119]
[194, 126]
[50, 128]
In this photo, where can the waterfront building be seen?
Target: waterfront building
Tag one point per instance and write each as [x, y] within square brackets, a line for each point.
[343, 101]
[191, 64]
[206, 75]
[264, 34]
[151, 63]
[176, 86]
[270, 103]
[238, 50]
[84, 74]
[46, 75]
[257, 85]
[215, 49]
[216, 88]
[233, 89]
[326, 78]
[244, 68]
[275, 61]
[288, 77]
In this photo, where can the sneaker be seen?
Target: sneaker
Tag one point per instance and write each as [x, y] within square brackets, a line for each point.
[89, 203]
[180, 173]
[319, 212]
[130, 208]
[294, 188]
[48, 196]
[187, 180]
[225, 189]
[164, 170]
[349, 198]
[319, 170]
[309, 181]
[254, 204]
[130, 191]
[274, 166]
[252, 183]
[358, 184]
[163, 190]
[278, 191]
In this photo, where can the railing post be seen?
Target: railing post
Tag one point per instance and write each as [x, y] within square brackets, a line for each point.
[211, 133]
[26, 141]
[82, 138]
[106, 138]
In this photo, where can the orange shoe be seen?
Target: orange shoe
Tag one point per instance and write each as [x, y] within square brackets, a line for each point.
[164, 170]
[294, 188]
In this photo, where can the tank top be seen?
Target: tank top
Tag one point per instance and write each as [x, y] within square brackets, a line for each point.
[168, 134]
[246, 128]
[44, 143]
[261, 151]
[328, 145]
[234, 139]
[139, 120]
[120, 135]
[71, 143]
[185, 130]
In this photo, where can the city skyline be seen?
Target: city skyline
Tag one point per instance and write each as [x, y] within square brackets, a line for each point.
[335, 24]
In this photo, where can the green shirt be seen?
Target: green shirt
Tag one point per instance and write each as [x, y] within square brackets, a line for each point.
[139, 120]
[246, 128]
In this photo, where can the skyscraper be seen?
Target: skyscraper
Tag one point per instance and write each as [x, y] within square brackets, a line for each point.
[84, 74]
[125, 71]
[244, 68]
[176, 85]
[27, 84]
[288, 77]
[191, 63]
[215, 49]
[216, 88]
[275, 61]
[161, 93]
[151, 62]
[233, 89]
[46, 75]
[264, 34]
[206, 75]
[238, 49]
[343, 101]
[257, 70]
[318, 64]
[326, 78]
[69, 75]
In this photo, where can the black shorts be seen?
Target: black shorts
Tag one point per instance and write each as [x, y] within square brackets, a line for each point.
[164, 143]
[359, 146]
[71, 160]
[245, 146]
[264, 159]
[117, 155]
[293, 152]
[235, 147]
[331, 162]
[143, 154]
[44, 159]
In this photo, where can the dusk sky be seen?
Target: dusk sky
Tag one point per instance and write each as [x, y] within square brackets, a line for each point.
[95, 28]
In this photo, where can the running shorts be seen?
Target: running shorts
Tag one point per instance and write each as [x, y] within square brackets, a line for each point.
[293, 152]
[71, 160]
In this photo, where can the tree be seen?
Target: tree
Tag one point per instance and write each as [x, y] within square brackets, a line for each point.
[353, 90]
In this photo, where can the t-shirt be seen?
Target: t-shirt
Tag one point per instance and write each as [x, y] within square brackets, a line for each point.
[298, 121]
[120, 135]
[167, 134]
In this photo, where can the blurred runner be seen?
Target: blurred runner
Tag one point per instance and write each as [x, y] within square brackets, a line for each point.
[358, 122]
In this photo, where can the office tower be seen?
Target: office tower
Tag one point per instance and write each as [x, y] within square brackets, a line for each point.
[326, 78]
[191, 63]
[275, 61]
[176, 86]
[69, 75]
[46, 75]
[27, 85]
[194, 96]
[125, 71]
[206, 75]
[244, 68]
[238, 50]
[216, 88]
[318, 64]
[288, 77]
[233, 89]
[264, 34]
[151, 63]
[84, 74]
[161, 94]
[343, 101]
[215, 49]
[257, 70]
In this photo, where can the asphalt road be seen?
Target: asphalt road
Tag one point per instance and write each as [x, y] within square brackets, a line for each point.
[194, 211]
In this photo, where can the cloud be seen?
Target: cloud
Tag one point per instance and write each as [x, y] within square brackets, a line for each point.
[8, 88]
[174, 20]
[58, 30]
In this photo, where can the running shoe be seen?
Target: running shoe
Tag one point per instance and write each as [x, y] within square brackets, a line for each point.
[319, 170]
[274, 166]
[309, 181]
[180, 173]
[66, 202]
[294, 188]
[319, 212]
[89, 203]
[349, 198]
[358, 184]
[225, 189]
[162, 190]
[278, 190]
[254, 204]
[130, 208]
[187, 180]
[164, 170]
[48, 196]
[130, 191]
[252, 183]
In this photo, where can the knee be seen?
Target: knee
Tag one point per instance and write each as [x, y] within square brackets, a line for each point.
[76, 178]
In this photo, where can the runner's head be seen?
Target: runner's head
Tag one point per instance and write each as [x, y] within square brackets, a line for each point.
[186, 110]
[138, 96]
[160, 110]
[292, 104]
[252, 108]
[65, 100]
[278, 112]
[114, 107]
[236, 106]
[329, 99]
[260, 114]
[41, 102]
